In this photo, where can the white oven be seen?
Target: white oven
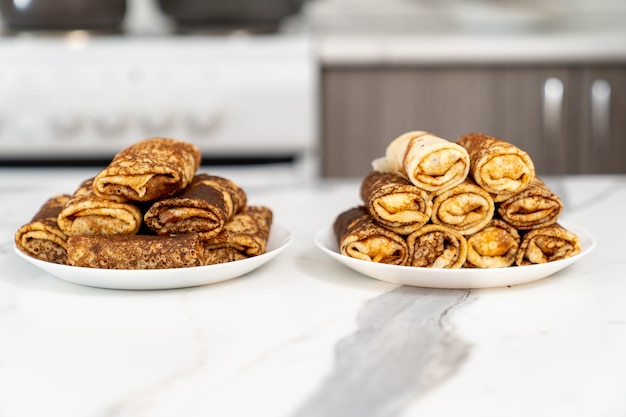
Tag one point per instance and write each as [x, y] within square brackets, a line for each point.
[78, 98]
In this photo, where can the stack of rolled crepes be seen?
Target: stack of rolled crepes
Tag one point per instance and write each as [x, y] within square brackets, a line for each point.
[149, 209]
[476, 203]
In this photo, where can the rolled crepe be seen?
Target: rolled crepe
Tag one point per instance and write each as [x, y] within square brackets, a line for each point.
[436, 246]
[465, 208]
[495, 246]
[204, 206]
[42, 238]
[395, 202]
[536, 206]
[501, 168]
[136, 251]
[88, 214]
[428, 161]
[149, 170]
[244, 236]
[547, 244]
[359, 236]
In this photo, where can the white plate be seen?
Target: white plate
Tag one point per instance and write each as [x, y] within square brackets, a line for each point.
[157, 279]
[453, 278]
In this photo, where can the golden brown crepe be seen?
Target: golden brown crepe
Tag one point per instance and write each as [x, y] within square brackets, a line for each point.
[501, 168]
[41, 238]
[136, 251]
[465, 208]
[149, 170]
[244, 236]
[86, 213]
[547, 244]
[436, 246]
[429, 162]
[395, 202]
[359, 236]
[536, 206]
[495, 246]
[204, 206]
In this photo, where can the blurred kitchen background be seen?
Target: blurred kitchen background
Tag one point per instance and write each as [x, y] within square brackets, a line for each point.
[316, 87]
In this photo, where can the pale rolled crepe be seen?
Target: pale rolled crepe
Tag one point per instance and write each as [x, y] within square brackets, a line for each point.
[499, 167]
[547, 244]
[536, 206]
[436, 246]
[395, 202]
[428, 161]
[360, 237]
[244, 236]
[136, 251]
[205, 206]
[88, 214]
[41, 237]
[149, 170]
[465, 208]
[495, 246]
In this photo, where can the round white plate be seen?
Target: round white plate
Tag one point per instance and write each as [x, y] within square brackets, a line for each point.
[453, 278]
[156, 279]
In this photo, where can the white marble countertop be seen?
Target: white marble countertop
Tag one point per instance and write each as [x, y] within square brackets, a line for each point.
[305, 336]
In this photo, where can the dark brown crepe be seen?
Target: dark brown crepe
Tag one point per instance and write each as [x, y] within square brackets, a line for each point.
[244, 236]
[136, 251]
[206, 205]
[547, 244]
[495, 246]
[359, 236]
[536, 206]
[499, 167]
[395, 202]
[42, 238]
[465, 208]
[149, 170]
[437, 246]
[88, 214]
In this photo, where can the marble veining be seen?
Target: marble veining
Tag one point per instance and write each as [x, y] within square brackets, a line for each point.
[401, 349]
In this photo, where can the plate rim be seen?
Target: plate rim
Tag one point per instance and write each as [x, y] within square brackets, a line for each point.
[137, 277]
[456, 278]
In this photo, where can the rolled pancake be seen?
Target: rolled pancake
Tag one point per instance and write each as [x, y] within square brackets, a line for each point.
[495, 246]
[244, 236]
[149, 170]
[395, 202]
[465, 208]
[204, 206]
[536, 206]
[360, 237]
[88, 214]
[136, 251]
[547, 244]
[501, 168]
[436, 246]
[429, 162]
[42, 238]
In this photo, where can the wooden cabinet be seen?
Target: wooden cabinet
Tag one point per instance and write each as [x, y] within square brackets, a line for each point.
[570, 119]
[599, 127]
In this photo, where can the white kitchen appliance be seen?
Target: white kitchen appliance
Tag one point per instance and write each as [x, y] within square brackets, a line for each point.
[79, 97]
